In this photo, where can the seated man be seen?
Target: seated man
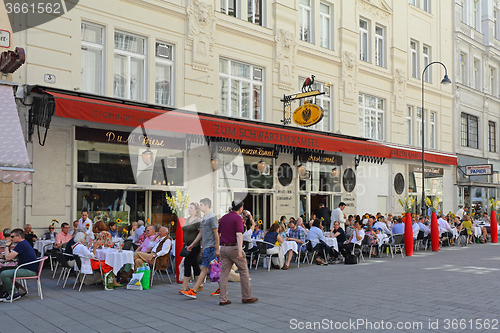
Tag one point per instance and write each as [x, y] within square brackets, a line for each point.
[445, 229]
[51, 234]
[112, 229]
[160, 249]
[318, 241]
[63, 237]
[148, 241]
[398, 226]
[25, 253]
[297, 235]
[75, 227]
[339, 234]
[356, 238]
[29, 235]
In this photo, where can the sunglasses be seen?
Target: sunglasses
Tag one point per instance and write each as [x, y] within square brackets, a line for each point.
[51, 228]
[12, 236]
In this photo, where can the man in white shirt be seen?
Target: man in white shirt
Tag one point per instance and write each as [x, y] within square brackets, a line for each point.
[444, 228]
[462, 212]
[338, 215]
[383, 226]
[159, 250]
[84, 221]
[423, 227]
[356, 238]
[415, 228]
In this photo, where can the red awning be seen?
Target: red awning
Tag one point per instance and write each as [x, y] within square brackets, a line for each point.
[398, 151]
[69, 106]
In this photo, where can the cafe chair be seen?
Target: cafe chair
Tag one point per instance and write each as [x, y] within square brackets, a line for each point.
[78, 265]
[52, 253]
[398, 244]
[262, 245]
[357, 249]
[63, 258]
[302, 253]
[127, 244]
[22, 280]
[49, 251]
[313, 252]
[368, 248]
[248, 254]
[159, 264]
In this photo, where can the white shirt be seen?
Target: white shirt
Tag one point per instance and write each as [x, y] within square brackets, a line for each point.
[337, 215]
[416, 229]
[82, 251]
[81, 225]
[382, 226]
[424, 228]
[164, 249]
[460, 213]
[247, 237]
[361, 233]
[443, 226]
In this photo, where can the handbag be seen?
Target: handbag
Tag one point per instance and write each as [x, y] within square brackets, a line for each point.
[184, 252]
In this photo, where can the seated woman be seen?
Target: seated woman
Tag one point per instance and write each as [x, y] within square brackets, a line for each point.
[467, 224]
[257, 233]
[272, 236]
[89, 265]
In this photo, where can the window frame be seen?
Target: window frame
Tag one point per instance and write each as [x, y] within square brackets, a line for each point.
[420, 127]
[380, 49]
[476, 15]
[100, 47]
[305, 9]
[328, 17]
[492, 140]
[168, 62]
[251, 81]
[432, 130]
[463, 67]
[476, 68]
[493, 85]
[374, 113]
[409, 125]
[426, 6]
[224, 9]
[252, 13]
[495, 23]
[129, 55]
[466, 134]
[414, 59]
[426, 60]
[364, 54]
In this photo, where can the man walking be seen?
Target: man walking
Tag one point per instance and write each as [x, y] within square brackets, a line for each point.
[231, 240]
[338, 215]
[209, 235]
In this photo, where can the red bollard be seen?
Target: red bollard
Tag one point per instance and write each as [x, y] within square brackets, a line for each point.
[408, 235]
[434, 232]
[179, 243]
[493, 227]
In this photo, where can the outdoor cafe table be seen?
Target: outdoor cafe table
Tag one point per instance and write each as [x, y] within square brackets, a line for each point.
[289, 245]
[114, 258]
[40, 245]
[332, 242]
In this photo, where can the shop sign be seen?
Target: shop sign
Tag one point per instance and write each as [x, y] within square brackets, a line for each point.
[428, 170]
[245, 150]
[479, 170]
[285, 203]
[126, 138]
[308, 114]
[4, 38]
[321, 158]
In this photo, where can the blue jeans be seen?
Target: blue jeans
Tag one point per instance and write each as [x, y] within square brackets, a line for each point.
[8, 276]
[208, 256]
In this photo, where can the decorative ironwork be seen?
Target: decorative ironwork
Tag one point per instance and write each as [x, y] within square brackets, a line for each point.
[287, 103]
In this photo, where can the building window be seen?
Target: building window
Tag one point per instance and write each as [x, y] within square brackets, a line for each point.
[427, 6]
[379, 46]
[130, 62]
[414, 59]
[469, 131]
[463, 12]
[92, 58]
[163, 74]
[326, 28]
[325, 101]
[409, 125]
[493, 88]
[255, 11]
[463, 68]
[476, 18]
[241, 90]
[371, 117]
[228, 7]
[495, 23]
[363, 40]
[419, 127]
[432, 129]
[492, 143]
[427, 59]
[415, 3]
[305, 20]
[476, 75]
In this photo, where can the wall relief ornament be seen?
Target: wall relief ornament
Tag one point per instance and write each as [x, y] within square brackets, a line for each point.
[376, 8]
[202, 22]
[349, 74]
[286, 50]
[399, 90]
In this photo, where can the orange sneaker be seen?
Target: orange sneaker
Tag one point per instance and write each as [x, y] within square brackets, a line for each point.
[190, 293]
[216, 293]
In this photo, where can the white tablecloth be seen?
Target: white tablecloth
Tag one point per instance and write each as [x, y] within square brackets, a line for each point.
[332, 242]
[477, 231]
[40, 246]
[114, 258]
[290, 245]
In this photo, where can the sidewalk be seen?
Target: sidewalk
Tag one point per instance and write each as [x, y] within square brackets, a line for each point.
[456, 283]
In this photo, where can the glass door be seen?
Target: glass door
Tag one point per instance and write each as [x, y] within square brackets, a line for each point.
[259, 205]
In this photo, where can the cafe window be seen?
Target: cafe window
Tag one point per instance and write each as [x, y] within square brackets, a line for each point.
[243, 172]
[320, 177]
[433, 185]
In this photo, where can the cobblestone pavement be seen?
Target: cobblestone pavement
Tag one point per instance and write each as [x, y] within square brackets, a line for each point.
[454, 290]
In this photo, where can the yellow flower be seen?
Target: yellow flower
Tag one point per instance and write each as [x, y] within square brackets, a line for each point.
[87, 225]
[54, 220]
[173, 222]
[322, 219]
[367, 216]
[118, 221]
[276, 221]
[147, 221]
[260, 221]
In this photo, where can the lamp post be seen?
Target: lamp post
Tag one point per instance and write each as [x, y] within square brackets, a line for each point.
[434, 227]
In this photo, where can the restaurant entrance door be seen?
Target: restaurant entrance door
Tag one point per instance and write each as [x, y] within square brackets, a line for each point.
[259, 205]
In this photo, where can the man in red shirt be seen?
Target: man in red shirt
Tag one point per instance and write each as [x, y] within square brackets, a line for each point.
[231, 251]
[63, 237]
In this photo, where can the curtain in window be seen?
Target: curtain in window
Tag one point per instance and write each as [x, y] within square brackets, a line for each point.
[91, 73]
[120, 80]
[163, 81]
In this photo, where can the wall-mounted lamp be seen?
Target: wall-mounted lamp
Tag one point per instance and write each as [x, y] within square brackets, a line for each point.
[335, 173]
[215, 163]
[261, 166]
[301, 170]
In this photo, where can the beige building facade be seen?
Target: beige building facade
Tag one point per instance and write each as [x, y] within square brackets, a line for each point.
[236, 60]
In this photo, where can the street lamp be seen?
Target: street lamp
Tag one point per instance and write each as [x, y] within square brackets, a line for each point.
[446, 80]
[434, 227]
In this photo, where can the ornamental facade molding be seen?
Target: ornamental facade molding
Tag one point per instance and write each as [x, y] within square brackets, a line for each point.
[375, 8]
[349, 77]
[399, 81]
[202, 23]
[286, 51]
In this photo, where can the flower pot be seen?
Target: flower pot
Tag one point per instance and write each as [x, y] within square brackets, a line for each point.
[408, 235]
[434, 232]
